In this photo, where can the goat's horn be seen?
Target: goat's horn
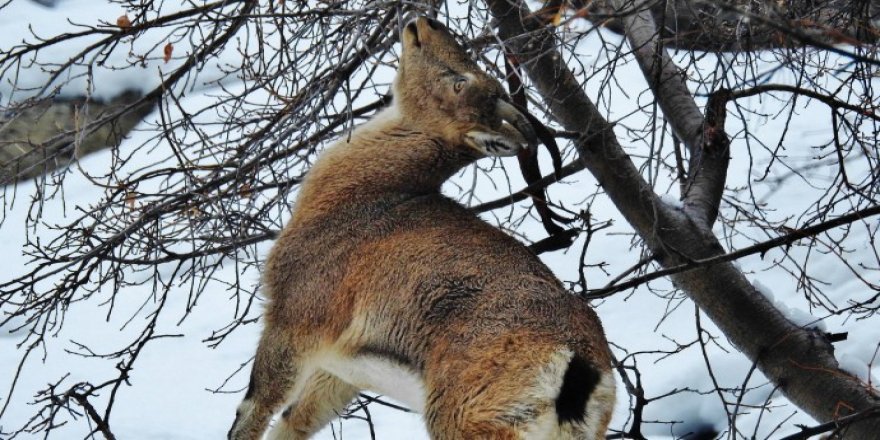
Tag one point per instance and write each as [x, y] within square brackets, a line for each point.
[510, 114]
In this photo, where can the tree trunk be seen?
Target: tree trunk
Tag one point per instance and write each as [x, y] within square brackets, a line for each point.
[799, 361]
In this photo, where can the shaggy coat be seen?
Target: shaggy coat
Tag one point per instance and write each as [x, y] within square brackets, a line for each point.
[381, 283]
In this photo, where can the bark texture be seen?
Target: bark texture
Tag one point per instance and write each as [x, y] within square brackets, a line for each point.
[704, 139]
[799, 361]
[738, 25]
[42, 136]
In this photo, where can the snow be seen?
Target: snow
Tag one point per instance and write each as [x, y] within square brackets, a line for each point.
[794, 314]
[169, 398]
[857, 365]
[672, 200]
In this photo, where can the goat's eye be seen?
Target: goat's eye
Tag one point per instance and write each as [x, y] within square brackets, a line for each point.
[458, 85]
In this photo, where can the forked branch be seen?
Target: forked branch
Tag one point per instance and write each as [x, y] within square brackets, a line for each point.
[705, 139]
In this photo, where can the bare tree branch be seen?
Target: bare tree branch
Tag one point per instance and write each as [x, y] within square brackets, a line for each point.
[760, 248]
[794, 358]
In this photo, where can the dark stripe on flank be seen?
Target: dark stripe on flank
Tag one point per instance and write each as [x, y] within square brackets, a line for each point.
[387, 354]
[578, 384]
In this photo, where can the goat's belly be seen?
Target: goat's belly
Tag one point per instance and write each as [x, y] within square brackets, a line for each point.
[381, 376]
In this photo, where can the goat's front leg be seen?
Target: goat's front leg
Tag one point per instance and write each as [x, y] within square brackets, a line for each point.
[275, 371]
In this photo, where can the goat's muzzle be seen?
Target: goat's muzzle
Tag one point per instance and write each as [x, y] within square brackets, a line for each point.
[513, 135]
[508, 113]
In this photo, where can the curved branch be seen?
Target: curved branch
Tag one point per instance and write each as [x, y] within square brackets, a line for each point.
[870, 112]
[835, 425]
[760, 248]
[526, 192]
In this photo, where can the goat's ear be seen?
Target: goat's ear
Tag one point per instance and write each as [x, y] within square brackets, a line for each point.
[410, 35]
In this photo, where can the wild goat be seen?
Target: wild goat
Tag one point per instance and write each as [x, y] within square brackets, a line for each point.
[381, 283]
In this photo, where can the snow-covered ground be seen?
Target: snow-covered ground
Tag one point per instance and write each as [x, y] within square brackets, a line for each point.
[169, 396]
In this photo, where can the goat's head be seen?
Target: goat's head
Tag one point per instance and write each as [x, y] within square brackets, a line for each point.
[441, 89]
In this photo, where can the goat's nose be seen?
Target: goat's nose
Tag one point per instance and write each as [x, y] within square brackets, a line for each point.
[433, 23]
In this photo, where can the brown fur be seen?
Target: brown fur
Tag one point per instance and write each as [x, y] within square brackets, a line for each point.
[375, 264]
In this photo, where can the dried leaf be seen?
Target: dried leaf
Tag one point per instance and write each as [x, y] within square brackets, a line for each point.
[123, 22]
[582, 13]
[557, 17]
[130, 199]
[192, 212]
[169, 49]
[246, 191]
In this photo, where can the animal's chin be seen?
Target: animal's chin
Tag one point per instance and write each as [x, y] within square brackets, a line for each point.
[494, 144]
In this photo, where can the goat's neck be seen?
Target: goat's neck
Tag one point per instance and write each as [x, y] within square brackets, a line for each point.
[384, 161]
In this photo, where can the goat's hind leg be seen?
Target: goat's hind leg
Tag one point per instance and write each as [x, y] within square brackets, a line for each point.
[274, 373]
[322, 399]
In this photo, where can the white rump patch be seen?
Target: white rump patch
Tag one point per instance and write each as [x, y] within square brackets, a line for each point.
[546, 387]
